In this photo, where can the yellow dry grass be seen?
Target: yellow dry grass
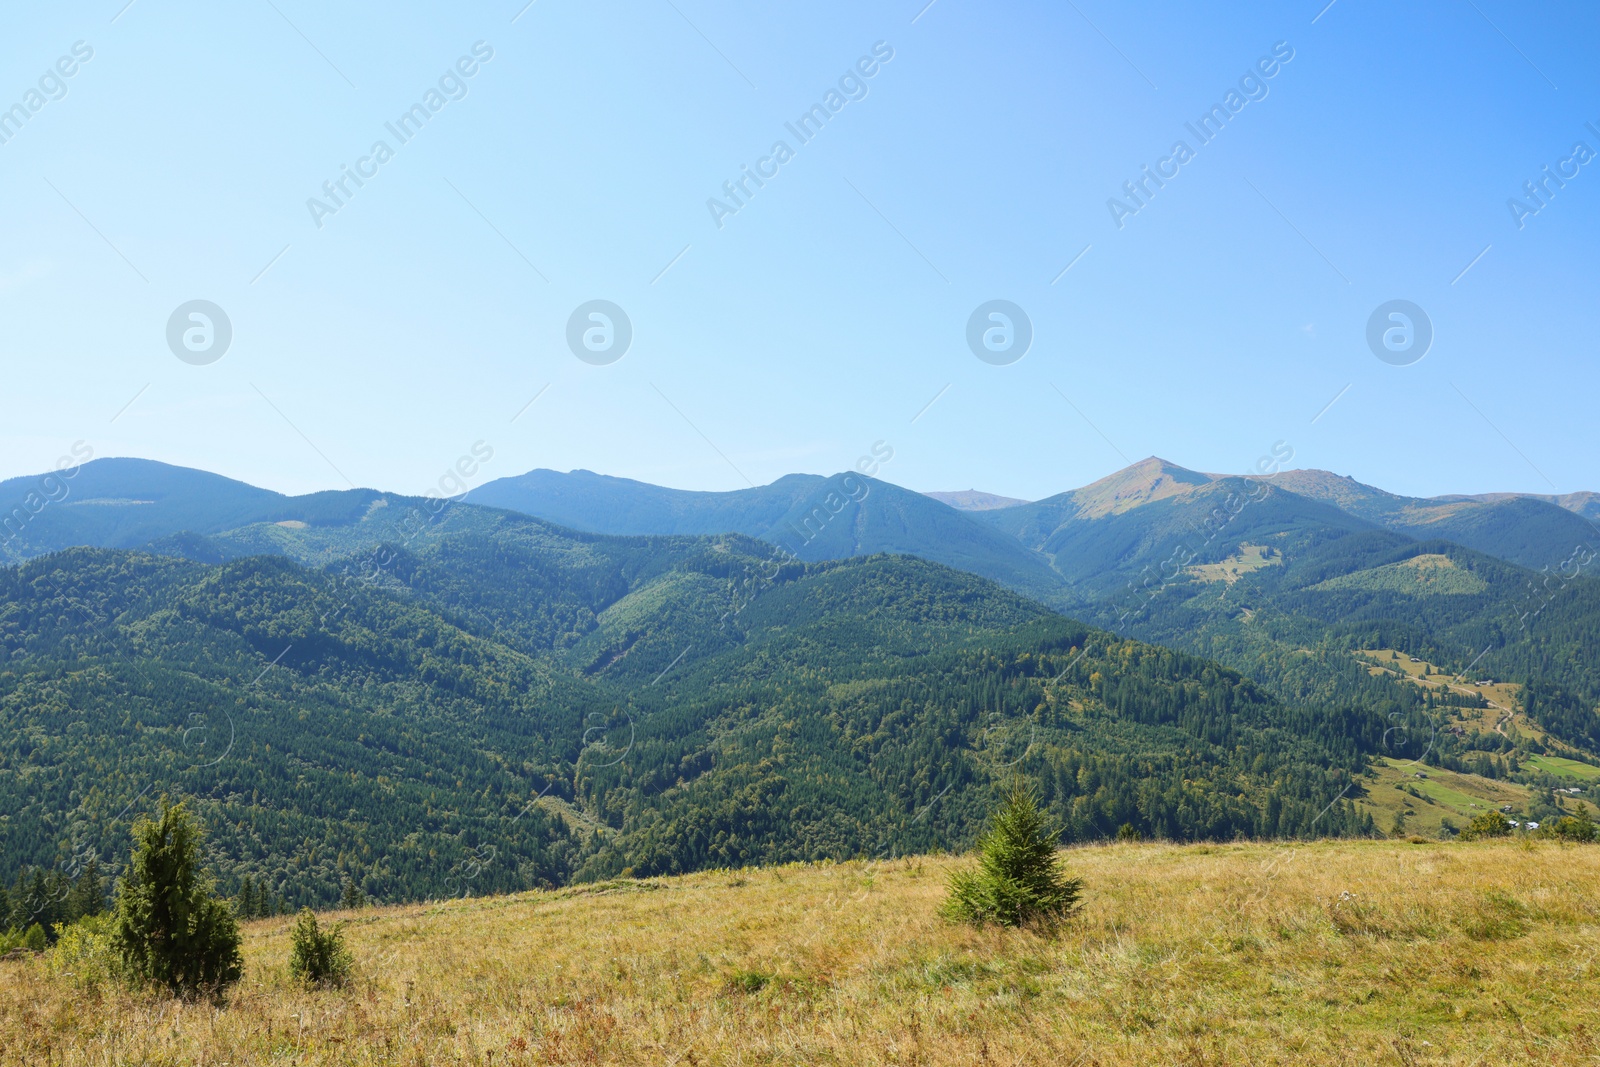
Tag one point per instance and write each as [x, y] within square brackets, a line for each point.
[1325, 953]
[1247, 559]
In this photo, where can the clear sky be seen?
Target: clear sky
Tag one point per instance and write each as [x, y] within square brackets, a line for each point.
[377, 337]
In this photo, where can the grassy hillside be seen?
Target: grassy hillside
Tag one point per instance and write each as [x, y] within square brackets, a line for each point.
[1322, 953]
[1427, 797]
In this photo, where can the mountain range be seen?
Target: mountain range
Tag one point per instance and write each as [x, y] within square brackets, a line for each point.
[126, 503]
[559, 677]
[1197, 561]
[1075, 530]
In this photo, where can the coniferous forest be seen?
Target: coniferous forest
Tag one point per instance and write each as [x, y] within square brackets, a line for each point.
[396, 699]
[514, 705]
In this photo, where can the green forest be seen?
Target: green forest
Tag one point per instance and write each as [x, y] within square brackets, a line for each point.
[513, 705]
[391, 698]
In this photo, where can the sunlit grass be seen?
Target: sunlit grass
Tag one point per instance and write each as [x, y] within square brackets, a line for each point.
[1328, 953]
[1567, 768]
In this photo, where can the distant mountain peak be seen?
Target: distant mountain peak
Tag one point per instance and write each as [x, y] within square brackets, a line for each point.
[1148, 480]
[975, 500]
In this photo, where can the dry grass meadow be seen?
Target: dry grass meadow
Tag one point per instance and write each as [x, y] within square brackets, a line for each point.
[1374, 952]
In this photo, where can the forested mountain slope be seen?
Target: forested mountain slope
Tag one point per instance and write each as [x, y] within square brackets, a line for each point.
[809, 516]
[679, 703]
[430, 696]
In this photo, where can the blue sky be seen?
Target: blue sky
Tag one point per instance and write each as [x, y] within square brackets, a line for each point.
[576, 164]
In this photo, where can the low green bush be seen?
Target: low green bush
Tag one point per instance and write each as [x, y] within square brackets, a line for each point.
[1488, 824]
[86, 952]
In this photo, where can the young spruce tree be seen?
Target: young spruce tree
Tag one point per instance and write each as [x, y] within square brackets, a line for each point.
[169, 929]
[1019, 878]
[318, 956]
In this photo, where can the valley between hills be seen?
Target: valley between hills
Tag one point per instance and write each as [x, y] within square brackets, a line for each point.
[559, 678]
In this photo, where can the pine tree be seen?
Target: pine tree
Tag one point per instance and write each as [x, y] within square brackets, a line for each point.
[169, 929]
[1019, 877]
[43, 900]
[247, 899]
[353, 895]
[88, 895]
[57, 888]
[37, 903]
[17, 912]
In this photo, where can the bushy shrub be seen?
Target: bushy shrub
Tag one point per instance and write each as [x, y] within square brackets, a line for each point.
[1019, 878]
[317, 956]
[86, 952]
[1489, 824]
[1571, 828]
[169, 930]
